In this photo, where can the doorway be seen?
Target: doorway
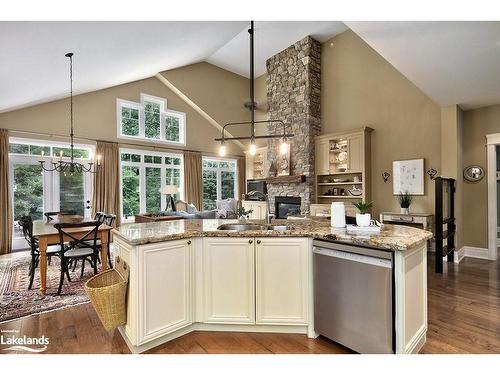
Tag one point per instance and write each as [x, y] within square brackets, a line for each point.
[493, 175]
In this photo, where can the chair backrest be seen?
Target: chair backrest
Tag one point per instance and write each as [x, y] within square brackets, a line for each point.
[181, 206]
[99, 216]
[51, 215]
[109, 219]
[80, 240]
[26, 224]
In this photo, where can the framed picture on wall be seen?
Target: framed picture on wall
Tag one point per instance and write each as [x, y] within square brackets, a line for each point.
[408, 176]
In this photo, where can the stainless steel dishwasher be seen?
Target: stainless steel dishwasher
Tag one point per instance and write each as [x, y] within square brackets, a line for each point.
[353, 296]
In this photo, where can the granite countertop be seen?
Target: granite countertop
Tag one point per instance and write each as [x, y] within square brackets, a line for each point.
[391, 237]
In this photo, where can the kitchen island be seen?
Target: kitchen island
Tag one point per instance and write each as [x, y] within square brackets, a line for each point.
[187, 275]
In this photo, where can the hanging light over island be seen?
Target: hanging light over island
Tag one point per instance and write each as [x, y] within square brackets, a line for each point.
[284, 145]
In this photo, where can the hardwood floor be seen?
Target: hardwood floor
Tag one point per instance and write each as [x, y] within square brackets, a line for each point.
[464, 317]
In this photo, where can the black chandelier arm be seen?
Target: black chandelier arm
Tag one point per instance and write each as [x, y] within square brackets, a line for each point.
[285, 134]
[71, 167]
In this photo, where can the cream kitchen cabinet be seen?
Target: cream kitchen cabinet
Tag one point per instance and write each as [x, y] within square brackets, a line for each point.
[282, 281]
[322, 156]
[166, 304]
[228, 280]
[160, 296]
[258, 209]
[355, 153]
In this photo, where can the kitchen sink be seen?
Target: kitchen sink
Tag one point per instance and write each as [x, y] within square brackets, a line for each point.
[262, 227]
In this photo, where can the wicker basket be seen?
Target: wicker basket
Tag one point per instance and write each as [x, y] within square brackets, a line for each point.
[107, 292]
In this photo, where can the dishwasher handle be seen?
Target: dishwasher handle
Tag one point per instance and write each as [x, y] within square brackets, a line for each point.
[379, 262]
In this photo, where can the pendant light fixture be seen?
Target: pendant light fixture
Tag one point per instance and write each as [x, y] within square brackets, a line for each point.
[71, 166]
[284, 146]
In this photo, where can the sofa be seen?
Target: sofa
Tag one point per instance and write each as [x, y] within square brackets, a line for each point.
[226, 209]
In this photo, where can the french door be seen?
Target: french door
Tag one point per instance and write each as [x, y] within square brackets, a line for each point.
[35, 191]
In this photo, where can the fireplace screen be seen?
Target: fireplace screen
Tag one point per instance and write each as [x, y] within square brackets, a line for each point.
[287, 206]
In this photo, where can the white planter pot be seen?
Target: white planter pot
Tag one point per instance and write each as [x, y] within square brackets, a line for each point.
[405, 211]
[363, 220]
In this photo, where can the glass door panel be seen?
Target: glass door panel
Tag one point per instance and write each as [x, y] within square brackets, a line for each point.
[173, 177]
[130, 191]
[72, 193]
[27, 193]
[153, 186]
[227, 184]
[209, 189]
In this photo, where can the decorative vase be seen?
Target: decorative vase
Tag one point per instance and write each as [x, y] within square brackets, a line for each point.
[405, 210]
[363, 220]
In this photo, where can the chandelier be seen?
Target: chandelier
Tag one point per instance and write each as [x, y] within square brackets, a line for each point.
[252, 137]
[71, 166]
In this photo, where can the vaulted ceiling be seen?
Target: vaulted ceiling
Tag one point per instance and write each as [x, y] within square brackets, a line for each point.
[452, 62]
[33, 68]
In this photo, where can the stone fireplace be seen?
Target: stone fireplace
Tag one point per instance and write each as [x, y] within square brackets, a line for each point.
[293, 95]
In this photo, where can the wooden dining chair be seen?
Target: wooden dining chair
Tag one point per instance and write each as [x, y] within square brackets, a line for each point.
[79, 247]
[109, 219]
[52, 215]
[26, 224]
[99, 216]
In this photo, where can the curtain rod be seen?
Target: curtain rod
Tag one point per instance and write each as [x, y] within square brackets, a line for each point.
[119, 143]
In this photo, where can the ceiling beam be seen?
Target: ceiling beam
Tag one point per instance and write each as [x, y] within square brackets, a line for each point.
[193, 105]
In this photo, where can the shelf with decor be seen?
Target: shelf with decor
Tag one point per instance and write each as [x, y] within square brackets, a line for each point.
[343, 165]
[257, 165]
[339, 183]
[339, 197]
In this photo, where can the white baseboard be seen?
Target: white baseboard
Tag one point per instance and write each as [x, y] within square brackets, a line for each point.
[472, 252]
[459, 255]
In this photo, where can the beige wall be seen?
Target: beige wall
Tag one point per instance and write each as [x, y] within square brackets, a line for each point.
[218, 92]
[360, 88]
[477, 124]
[95, 112]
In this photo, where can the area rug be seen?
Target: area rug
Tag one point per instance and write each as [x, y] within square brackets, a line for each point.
[17, 301]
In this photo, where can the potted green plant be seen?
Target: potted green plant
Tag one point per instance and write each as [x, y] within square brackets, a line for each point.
[364, 218]
[405, 200]
[243, 214]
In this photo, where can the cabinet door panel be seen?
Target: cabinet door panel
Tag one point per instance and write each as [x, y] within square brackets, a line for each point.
[322, 157]
[228, 274]
[165, 298]
[355, 153]
[281, 281]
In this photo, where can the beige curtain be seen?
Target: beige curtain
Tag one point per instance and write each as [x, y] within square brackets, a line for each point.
[106, 195]
[193, 178]
[241, 176]
[6, 222]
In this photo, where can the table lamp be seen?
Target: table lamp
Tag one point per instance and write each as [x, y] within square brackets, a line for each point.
[170, 191]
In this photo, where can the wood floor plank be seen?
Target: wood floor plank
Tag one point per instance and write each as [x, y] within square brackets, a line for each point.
[464, 317]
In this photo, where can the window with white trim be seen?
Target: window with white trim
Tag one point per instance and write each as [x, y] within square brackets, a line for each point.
[143, 175]
[220, 181]
[150, 120]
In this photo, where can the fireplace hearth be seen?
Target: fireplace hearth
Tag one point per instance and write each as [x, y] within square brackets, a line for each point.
[286, 206]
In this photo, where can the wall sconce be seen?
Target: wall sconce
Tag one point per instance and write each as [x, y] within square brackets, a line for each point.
[432, 173]
[386, 176]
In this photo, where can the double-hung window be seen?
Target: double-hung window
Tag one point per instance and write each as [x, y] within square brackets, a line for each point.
[35, 191]
[143, 175]
[150, 120]
[219, 181]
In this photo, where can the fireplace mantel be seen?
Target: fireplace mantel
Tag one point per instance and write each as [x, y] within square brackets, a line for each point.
[286, 179]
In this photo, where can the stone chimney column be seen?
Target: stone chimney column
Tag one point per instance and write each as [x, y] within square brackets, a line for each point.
[293, 94]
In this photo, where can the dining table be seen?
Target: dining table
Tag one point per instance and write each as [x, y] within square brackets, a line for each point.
[48, 235]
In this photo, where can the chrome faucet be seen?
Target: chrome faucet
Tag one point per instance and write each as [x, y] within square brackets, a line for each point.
[266, 199]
